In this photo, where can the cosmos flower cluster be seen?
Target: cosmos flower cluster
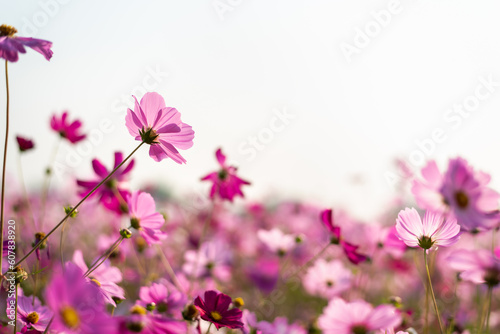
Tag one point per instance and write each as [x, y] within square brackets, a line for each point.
[103, 256]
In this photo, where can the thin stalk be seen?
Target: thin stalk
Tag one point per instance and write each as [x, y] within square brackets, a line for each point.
[4, 162]
[169, 269]
[76, 207]
[323, 250]
[48, 325]
[105, 258]
[487, 311]
[208, 330]
[432, 292]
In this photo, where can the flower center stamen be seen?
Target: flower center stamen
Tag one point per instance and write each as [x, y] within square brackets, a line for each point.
[359, 329]
[33, 317]
[70, 317]
[461, 199]
[135, 223]
[215, 315]
[6, 30]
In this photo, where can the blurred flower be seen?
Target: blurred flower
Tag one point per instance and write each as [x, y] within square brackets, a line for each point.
[77, 305]
[112, 194]
[276, 240]
[327, 279]
[215, 309]
[33, 315]
[213, 258]
[477, 266]
[159, 126]
[66, 129]
[24, 144]
[225, 183]
[11, 45]
[358, 317]
[435, 230]
[350, 250]
[104, 277]
[144, 218]
[140, 321]
[461, 190]
[165, 300]
[280, 326]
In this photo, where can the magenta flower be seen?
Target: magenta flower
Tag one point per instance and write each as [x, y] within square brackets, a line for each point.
[478, 266]
[144, 218]
[340, 317]
[462, 191]
[166, 300]
[24, 144]
[11, 45]
[350, 250]
[159, 126]
[225, 183]
[434, 230]
[67, 129]
[104, 277]
[215, 309]
[77, 305]
[113, 193]
[36, 316]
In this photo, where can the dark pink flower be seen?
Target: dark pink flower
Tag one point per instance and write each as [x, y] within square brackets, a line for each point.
[215, 309]
[67, 129]
[11, 45]
[159, 126]
[112, 194]
[225, 183]
[350, 250]
[24, 144]
[165, 297]
[145, 218]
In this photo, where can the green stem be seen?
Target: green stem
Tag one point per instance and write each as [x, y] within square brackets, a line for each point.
[169, 269]
[108, 254]
[76, 207]
[487, 310]
[4, 162]
[208, 330]
[432, 292]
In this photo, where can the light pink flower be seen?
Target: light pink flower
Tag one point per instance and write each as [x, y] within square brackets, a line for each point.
[327, 279]
[433, 231]
[477, 266]
[276, 240]
[159, 126]
[144, 218]
[340, 317]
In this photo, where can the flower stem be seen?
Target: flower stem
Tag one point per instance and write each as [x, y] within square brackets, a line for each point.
[487, 310]
[104, 257]
[432, 292]
[208, 330]
[308, 263]
[4, 162]
[76, 206]
[169, 269]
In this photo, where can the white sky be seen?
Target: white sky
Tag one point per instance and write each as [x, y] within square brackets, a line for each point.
[228, 73]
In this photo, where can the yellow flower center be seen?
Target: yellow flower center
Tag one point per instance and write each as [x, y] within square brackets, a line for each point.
[70, 317]
[33, 317]
[215, 315]
[6, 30]
[137, 309]
[95, 281]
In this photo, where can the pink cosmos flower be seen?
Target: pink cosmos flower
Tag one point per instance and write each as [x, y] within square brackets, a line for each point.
[350, 250]
[327, 279]
[340, 317]
[276, 240]
[113, 193]
[166, 300]
[215, 309]
[67, 129]
[159, 126]
[11, 45]
[140, 321]
[225, 183]
[77, 305]
[24, 144]
[213, 258]
[104, 277]
[478, 266]
[461, 190]
[433, 231]
[33, 316]
[144, 218]
[280, 326]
